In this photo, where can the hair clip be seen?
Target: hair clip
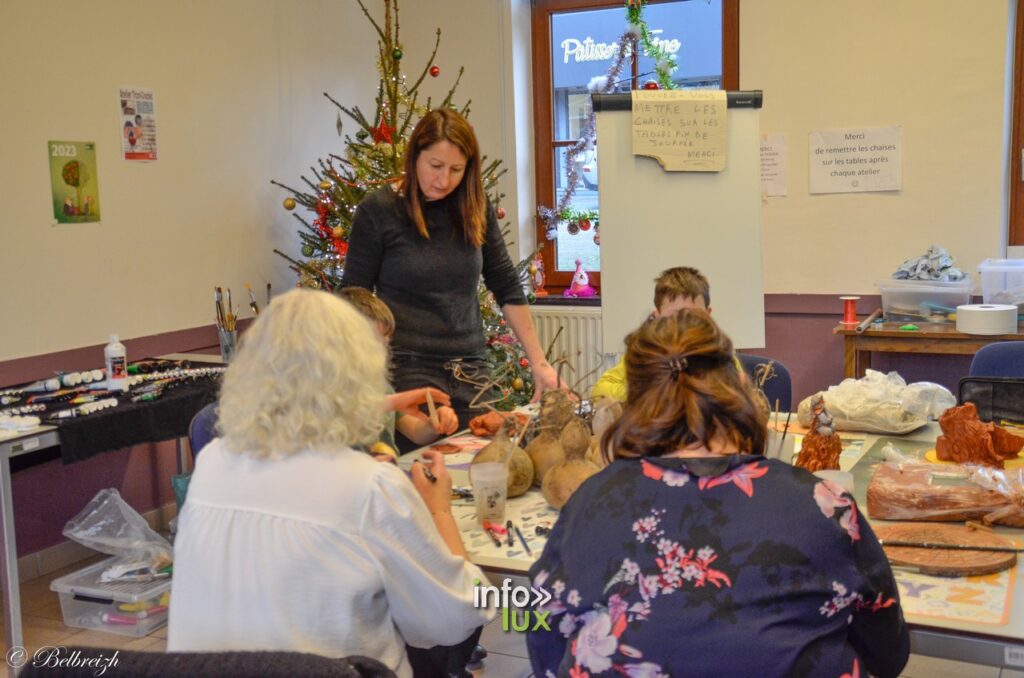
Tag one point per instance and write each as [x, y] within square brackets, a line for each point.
[677, 365]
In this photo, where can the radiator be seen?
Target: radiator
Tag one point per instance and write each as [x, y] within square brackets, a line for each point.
[579, 342]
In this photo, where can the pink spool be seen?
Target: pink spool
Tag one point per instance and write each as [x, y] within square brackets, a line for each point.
[849, 310]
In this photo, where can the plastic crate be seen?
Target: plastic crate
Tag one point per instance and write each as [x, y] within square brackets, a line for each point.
[127, 608]
[1002, 281]
[915, 301]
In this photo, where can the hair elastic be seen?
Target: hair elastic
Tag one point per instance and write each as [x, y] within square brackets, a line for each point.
[677, 365]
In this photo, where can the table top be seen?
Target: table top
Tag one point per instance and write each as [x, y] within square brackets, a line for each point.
[931, 330]
[530, 510]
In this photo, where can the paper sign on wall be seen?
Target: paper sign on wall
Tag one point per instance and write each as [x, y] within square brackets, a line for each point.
[856, 160]
[773, 164]
[138, 123]
[73, 181]
[684, 129]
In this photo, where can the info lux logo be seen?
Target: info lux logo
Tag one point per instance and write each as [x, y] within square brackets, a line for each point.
[510, 597]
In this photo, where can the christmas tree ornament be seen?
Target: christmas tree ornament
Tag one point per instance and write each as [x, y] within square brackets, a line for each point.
[524, 363]
[362, 134]
[597, 239]
[585, 224]
[580, 286]
[383, 132]
[325, 185]
[573, 227]
[651, 84]
[289, 203]
[307, 250]
[500, 212]
[434, 71]
[396, 54]
[551, 234]
[518, 384]
[338, 232]
[337, 125]
[532, 268]
[531, 297]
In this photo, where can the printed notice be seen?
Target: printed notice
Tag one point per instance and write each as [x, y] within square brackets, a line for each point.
[73, 182]
[773, 164]
[138, 123]
[856, 160]
[684, 129]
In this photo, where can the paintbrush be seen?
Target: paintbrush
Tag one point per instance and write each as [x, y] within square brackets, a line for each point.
[947, 547]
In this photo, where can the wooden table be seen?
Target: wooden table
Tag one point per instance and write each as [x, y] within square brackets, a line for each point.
[930, 338]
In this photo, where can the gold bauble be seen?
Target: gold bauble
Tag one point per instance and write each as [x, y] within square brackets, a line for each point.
[518, 384]
[289, 203]
[532, 269]
[325, 185]
[338, 231]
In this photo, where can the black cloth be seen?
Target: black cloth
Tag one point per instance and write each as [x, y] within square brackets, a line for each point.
[997, 398]
[197, 664]
[429, 285]
[131, 423]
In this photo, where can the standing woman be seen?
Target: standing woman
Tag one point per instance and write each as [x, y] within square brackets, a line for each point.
[423, 249]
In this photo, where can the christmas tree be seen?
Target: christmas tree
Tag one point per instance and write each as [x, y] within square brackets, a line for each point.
[372, 158]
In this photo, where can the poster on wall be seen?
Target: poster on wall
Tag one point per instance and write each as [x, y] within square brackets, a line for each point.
[74, 181]
[138, 123]
[856, 160]
[773, 165]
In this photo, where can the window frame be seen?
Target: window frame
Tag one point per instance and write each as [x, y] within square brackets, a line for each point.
[1015, 229]
[544, 143]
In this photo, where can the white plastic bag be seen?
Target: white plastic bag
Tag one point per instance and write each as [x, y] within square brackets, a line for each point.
[109, 525]
[881, 403]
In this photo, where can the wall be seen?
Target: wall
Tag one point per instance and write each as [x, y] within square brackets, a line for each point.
[936, 67]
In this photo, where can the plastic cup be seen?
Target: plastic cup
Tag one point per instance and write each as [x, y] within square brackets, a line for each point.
[777, 447]
[490, 488]
[228, 344]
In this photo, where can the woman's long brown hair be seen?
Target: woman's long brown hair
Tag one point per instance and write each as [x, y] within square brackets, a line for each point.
[444, 124]
[683, 389]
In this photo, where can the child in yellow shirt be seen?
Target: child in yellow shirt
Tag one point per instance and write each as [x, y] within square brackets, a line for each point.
[677, 288]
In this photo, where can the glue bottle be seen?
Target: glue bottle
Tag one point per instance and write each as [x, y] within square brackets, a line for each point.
[116, 361]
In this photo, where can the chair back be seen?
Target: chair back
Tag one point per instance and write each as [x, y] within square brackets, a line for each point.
[778, 387]
[1002, 359]
[202, 428]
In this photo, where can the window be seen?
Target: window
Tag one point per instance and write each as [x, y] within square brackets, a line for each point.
[574, 41]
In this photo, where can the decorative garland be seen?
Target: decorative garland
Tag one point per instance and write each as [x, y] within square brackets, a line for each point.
[665, 64]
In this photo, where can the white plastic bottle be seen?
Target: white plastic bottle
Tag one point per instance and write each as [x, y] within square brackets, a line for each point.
[116, 361]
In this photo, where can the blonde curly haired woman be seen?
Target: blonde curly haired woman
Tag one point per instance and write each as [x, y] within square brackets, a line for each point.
[290, 538]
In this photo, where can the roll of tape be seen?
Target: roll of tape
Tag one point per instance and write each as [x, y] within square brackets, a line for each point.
[986, 319]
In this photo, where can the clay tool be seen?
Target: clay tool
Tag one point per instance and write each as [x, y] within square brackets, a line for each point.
[508, 530]
[522, 540]
[252, 300]
[947, 547]
[490, 533]
[432, 409]
[867, 321]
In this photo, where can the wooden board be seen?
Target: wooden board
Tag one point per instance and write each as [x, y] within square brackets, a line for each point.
[932, 457]
[946, 563]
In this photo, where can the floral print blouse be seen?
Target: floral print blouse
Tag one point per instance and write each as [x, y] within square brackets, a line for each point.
[727, 566]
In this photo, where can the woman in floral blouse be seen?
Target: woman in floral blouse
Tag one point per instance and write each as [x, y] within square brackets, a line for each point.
[693, 555]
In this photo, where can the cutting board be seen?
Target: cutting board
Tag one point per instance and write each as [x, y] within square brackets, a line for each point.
[946, 563]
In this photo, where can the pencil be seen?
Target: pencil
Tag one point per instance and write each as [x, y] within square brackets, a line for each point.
[522, 540]
[433, 411]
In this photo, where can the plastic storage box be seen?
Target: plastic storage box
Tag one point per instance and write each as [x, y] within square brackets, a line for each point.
[1002, 281]
[128, 608]
[915, 301]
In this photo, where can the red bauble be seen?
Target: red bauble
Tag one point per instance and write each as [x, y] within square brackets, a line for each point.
[501, 212]
[434, 71]
[651, 84]
[524, 363]
[585, 224]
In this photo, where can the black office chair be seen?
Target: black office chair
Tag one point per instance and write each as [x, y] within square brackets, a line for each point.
[202, 429]
[778, 387]
[1003, 359]
[205, 665]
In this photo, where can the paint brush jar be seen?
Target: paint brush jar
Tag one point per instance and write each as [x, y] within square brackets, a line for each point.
[228, 344]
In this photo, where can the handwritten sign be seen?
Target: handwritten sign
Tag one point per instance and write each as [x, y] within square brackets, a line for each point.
[683, 129]
[856, 160]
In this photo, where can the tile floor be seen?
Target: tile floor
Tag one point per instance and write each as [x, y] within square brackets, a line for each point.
[43, 625]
